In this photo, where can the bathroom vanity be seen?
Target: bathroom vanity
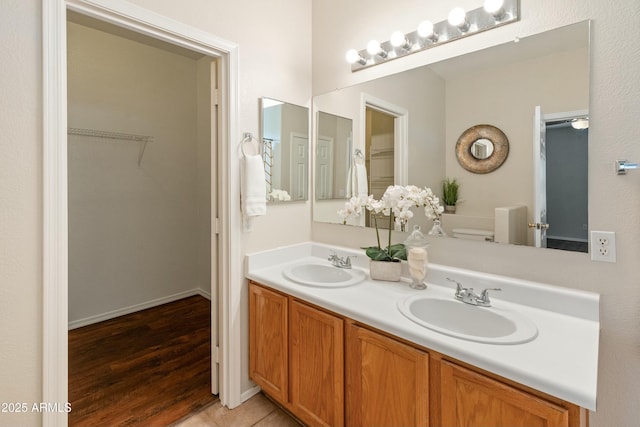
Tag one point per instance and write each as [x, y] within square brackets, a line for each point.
[346, 355]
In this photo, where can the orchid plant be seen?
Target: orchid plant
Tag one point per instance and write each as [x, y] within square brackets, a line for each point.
[396, 203]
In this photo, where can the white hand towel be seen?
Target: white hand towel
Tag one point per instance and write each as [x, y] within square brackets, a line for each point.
[253, 186]
[361, 187]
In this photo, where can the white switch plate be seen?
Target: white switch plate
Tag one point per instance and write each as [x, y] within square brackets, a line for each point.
[603, 246]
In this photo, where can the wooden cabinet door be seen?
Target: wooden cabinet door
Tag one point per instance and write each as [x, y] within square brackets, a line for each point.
[471, 399]
[268, 341]
[317, 366]
[387, 381]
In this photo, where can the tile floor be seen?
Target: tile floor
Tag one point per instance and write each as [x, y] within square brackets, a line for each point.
[255, 412]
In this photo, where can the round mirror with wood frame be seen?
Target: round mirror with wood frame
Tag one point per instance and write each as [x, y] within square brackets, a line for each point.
[482, 148]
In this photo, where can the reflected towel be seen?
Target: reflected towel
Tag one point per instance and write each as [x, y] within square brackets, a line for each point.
[253, 186]
[360, 181]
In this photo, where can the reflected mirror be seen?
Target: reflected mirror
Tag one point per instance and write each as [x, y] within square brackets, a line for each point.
[482, 149]
[285, 150]
[543, 79]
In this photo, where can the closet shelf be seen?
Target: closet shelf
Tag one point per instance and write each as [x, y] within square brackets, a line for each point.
[144, 139]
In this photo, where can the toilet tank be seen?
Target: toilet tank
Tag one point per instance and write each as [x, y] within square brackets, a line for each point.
[511, 225]
[473, 234]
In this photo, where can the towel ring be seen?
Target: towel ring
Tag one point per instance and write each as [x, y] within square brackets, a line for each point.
[248, 137]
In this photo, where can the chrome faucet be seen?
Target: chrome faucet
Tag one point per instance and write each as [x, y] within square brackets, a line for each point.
[339, 262]
[468, 296]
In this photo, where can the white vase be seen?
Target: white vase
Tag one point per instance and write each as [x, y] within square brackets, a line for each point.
[385, 270]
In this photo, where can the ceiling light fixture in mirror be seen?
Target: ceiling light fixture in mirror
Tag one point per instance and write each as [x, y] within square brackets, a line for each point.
[460, 23]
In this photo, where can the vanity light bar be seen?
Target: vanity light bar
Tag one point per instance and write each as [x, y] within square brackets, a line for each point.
[477, 20]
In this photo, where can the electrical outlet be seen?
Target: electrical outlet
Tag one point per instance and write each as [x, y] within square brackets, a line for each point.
[603, 246]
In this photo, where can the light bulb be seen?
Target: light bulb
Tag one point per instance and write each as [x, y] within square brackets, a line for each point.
[398, 39]
[425, 29]
[493, 6]
[353, 56]
[458, 18]
[373, 47]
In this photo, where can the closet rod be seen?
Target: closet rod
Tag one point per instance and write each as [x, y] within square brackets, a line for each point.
[114, 135]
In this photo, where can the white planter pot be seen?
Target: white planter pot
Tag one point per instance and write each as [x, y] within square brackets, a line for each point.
[385, 270]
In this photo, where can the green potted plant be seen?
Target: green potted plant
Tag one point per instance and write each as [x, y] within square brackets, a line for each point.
[450, 191]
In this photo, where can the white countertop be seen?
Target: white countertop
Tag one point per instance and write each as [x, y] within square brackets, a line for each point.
[561, 361]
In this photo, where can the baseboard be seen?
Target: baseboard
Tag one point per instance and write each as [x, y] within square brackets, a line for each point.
[249, 393]
[137, 307]
[203, 293]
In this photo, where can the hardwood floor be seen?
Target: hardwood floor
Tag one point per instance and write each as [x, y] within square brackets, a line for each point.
[149, 368]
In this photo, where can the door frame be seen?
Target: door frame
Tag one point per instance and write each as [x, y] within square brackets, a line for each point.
[55, 196]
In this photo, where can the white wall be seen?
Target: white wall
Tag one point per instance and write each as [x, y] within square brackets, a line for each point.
[20, 208]
[614, 201]
[133, 230]
[274, 41]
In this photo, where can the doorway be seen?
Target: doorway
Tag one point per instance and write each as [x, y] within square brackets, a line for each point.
[140, 183]
[379, 155]
[560, 214]
[384, 135]
[567, 189]
[55, 196]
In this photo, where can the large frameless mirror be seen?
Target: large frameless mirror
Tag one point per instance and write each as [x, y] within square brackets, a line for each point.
[285, 149]
[536, 83]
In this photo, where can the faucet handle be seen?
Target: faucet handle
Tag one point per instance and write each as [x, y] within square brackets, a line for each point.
[459, 288]
[484, 296]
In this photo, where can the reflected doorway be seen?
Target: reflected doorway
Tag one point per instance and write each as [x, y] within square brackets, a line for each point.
[379, 158]
[560, 219]
[567, 189]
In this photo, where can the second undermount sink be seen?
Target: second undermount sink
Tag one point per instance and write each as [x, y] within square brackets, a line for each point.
[481, 324]
[325, 276]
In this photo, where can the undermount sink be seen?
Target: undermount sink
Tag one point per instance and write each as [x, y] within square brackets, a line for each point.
[326, 276]
[489, 325]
